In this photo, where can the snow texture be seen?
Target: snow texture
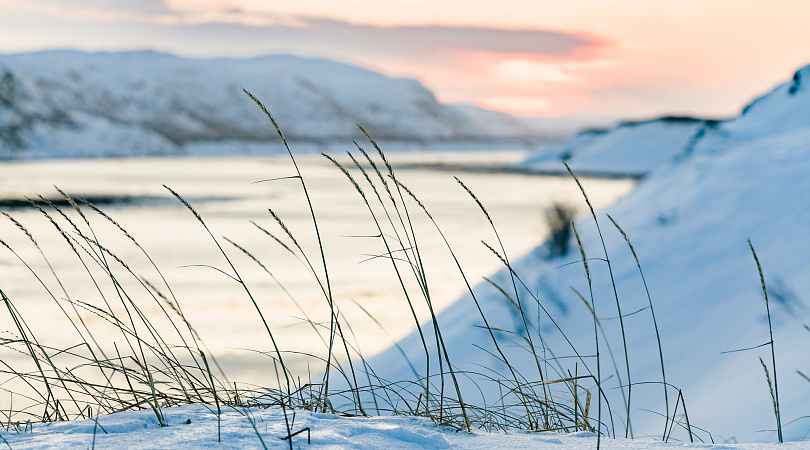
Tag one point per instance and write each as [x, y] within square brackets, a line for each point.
[195, 426]
[689, 221]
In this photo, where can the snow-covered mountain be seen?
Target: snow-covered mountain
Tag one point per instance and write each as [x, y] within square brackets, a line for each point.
[689, 221]
[629, 148]
[67, 103]
[784, 109]
[636, 147]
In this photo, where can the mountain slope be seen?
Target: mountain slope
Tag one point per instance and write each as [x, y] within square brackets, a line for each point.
[785, 108]
[631, 148]
[689, 222]
[635, 148]
[66, 103]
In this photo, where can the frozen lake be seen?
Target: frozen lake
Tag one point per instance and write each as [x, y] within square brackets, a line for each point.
[223, 191]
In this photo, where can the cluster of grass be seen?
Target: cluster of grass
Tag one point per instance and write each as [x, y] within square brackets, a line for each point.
[161, 360]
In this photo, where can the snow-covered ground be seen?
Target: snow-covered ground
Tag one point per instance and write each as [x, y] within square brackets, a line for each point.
[74, 104]
[689, 221]
[196, 426]
[630, 148]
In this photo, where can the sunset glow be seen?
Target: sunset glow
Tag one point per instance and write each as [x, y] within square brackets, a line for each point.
[583, 58]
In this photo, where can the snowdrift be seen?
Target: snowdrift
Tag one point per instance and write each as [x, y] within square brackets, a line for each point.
[689, 221]
[195, 427]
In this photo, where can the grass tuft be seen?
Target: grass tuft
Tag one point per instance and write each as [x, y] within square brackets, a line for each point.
[158, 359]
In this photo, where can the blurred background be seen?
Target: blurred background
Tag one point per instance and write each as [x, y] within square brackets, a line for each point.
[689, 120]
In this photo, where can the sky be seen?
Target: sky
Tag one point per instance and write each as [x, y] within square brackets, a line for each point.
[585, 59]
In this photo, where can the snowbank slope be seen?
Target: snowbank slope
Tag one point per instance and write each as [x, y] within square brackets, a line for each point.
[689, 222]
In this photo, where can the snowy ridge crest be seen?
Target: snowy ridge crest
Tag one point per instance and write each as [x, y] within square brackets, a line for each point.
[636, 148]
[629, 148]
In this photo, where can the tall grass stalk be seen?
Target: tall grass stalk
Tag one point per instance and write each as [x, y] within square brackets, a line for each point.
[148, 370]
[333, 318]
[416, 266]
[595, 334]
[517, 302]
[542, 308]
[628, 431]
[655, 322]
[390, 256]
[775, 388]
[235, 275]
[411, 250]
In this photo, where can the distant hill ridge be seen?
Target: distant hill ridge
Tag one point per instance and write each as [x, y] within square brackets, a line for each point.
[637, 147]
[69, 103]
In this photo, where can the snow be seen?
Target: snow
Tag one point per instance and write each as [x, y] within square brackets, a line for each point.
[709, 187]
[196, 426]
[781, 110]
[630, 148]
[689, 221]
[636, 148]
[74, 104]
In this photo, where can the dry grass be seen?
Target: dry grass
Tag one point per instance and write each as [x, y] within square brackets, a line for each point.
[160, 360]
